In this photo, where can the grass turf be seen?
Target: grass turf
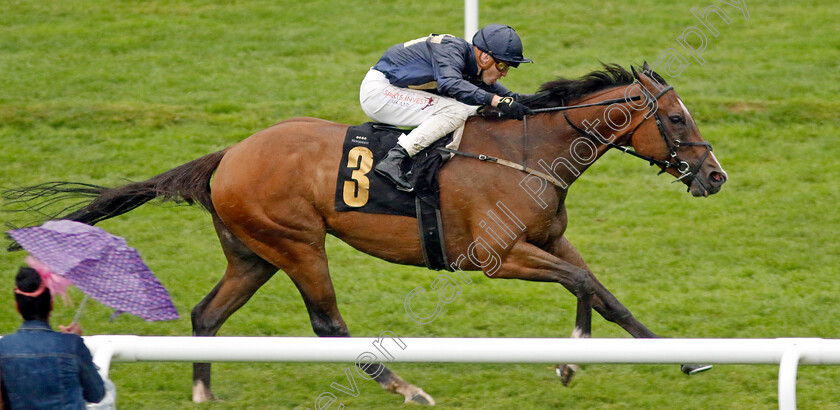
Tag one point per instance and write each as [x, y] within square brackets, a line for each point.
[101, 92]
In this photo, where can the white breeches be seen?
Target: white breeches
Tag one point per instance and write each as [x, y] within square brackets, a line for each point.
[433, 115]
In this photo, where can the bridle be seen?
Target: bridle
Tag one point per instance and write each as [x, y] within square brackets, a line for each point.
[687, 172]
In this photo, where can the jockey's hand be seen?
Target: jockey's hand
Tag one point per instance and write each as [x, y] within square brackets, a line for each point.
[513, 109]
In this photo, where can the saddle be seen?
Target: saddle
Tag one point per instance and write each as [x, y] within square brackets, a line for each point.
[360, 189]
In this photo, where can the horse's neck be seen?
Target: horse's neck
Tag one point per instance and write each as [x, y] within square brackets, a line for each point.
[568, 151]
[546, 142]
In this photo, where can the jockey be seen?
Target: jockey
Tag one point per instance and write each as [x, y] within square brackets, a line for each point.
[434, 83]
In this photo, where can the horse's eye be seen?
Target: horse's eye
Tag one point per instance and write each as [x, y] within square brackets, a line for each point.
[676, 119]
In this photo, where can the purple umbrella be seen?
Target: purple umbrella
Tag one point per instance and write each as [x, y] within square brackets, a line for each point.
[101, 265]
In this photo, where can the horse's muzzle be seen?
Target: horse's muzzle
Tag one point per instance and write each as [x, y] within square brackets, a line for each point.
[708, 182]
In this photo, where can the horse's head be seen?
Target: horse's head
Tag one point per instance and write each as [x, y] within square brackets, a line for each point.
[669, 135]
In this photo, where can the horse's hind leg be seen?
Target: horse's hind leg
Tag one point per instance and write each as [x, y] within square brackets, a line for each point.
[304, 259]
[327, 322]
[245, 273]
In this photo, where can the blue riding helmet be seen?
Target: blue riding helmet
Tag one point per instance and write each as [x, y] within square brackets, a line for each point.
[502, 43]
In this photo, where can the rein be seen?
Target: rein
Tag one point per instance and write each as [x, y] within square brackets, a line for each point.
[605, 102]
[523, 167]
[687, 172]
[627, 150]
[564, 108]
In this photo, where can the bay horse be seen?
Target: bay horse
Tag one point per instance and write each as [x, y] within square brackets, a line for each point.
[271, 198]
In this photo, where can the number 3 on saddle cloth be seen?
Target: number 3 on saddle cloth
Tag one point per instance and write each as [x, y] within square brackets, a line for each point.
[359, 188]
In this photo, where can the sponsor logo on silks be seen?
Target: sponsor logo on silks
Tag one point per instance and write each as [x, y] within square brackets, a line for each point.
[406, 100]
[428, 104]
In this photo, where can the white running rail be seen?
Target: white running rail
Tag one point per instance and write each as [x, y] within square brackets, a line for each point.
[788, 353]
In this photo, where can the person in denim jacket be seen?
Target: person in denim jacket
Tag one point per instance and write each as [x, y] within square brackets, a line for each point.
[39, 367]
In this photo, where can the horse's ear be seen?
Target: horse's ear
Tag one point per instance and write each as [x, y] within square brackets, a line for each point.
[636, 73]
[645, 67]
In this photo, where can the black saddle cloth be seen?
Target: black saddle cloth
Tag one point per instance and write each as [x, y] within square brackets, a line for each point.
[359, 188]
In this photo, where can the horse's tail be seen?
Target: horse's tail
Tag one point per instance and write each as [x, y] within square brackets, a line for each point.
[188, 183]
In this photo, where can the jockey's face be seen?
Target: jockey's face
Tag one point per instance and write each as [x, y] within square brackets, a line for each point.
[490, 72]
[493, 74]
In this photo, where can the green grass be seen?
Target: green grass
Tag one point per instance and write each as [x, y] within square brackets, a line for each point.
[101, 92]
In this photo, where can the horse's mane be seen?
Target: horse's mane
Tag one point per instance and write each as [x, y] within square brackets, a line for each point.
[563, 91]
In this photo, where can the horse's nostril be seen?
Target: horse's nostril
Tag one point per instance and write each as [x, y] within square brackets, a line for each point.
[717, 178]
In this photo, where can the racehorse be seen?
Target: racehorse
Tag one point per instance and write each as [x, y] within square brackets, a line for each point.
[272, 201]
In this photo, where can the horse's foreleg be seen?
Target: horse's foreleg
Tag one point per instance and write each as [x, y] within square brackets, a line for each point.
[528, 262]
[604, 302]
[608, 306]
[611, 309]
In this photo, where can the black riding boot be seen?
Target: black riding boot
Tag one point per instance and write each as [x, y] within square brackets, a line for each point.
[389, 167]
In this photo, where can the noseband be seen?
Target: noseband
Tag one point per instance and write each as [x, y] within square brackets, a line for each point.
[687, 172]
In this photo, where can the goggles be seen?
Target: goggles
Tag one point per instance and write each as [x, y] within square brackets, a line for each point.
[504, 66]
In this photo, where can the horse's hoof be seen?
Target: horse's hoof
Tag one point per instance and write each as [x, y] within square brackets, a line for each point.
[690, 369]
[418, 396]
[201, 394]
[566, 372]
[203, 397]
